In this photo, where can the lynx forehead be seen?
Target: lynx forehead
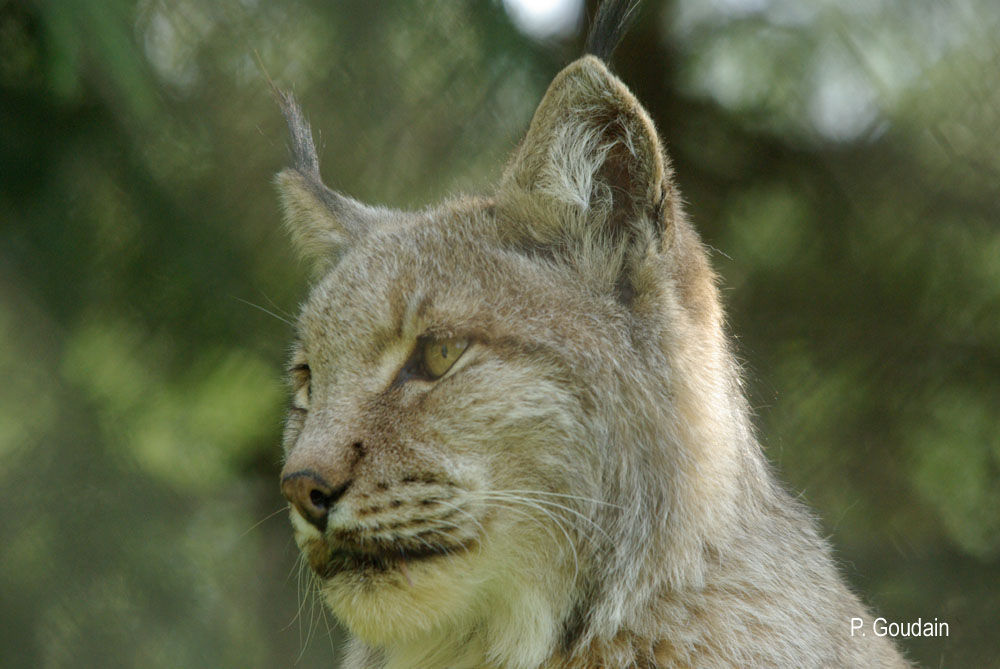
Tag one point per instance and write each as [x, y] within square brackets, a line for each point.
[517, 436]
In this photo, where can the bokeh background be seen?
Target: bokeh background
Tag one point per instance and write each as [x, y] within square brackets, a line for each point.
[841, 157]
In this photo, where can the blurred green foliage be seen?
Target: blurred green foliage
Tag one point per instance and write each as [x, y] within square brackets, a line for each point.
[841, 157]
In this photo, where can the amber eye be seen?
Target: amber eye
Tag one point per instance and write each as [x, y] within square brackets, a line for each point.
[440, 354]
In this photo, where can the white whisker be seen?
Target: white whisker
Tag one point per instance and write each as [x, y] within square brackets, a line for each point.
[482, 495]
[475, 520]
[556, 505]
[262, 520]
[266, 311]
[560, 494]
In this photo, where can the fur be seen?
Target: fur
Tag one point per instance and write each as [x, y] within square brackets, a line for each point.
[586, 471]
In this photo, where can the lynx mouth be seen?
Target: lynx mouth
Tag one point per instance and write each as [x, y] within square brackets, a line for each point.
[328, 562]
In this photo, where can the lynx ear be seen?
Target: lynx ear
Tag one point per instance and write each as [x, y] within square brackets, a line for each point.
[322, 222]
[591, 166]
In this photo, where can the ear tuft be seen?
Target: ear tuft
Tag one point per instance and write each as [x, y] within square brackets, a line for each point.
[322, 222]
[304, 158]
[610, 24]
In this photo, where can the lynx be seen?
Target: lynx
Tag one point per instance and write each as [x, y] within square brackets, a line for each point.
[517, 435]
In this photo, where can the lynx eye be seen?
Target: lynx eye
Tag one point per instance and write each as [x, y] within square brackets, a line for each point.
[440, 354]
[301, 377]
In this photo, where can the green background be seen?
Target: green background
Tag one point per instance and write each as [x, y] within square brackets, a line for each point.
[841, 158]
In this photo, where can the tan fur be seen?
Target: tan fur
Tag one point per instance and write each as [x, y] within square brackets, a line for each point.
[588, 462]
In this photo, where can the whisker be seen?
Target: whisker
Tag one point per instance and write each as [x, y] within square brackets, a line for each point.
[266, 311]
[478, 536]
[296, 566]
[329, 630]
[524, 514]
[262, 520]
[303, 592]
[443, 534]
[274, 306]
[559, 494]
[550, 503]
[312, 617]
[475, 520]
[556, 521]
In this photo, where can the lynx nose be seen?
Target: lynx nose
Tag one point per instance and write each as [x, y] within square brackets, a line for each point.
[311, 495]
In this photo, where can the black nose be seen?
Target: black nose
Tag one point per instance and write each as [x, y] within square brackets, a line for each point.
[311, 495]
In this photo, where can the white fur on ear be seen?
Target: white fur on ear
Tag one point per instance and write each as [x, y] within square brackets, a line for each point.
[321, 223]
[591, 149]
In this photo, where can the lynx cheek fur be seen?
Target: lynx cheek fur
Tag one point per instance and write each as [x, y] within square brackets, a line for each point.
[518, 436]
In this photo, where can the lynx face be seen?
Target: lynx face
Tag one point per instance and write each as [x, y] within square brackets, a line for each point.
[438, 423]
[507, 411]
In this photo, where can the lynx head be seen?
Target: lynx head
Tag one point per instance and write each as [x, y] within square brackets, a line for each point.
[497, 427]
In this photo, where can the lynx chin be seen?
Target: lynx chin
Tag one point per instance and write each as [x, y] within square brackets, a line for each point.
[517, 435]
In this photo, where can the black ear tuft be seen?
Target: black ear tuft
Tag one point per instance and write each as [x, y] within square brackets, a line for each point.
[610, 24]
[304, 158]
[321, 221]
